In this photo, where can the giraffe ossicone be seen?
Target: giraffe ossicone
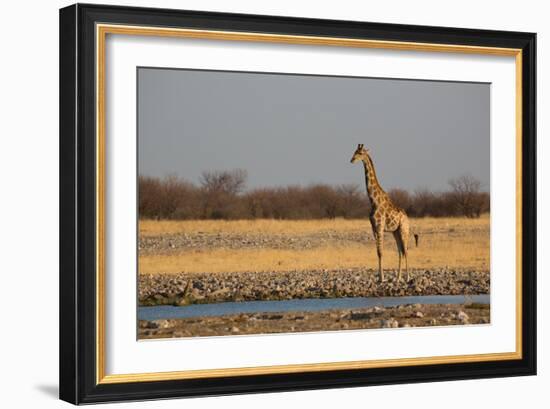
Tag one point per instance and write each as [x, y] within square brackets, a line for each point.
[385, 216]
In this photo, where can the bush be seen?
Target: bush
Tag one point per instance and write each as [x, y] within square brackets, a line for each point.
[222, 195]
[168, 198]
[466, 196]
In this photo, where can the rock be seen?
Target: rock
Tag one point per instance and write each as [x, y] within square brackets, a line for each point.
[183, 301]
[165, 289]
[220, 293]
[197, 297]
[360, 315]
[463, 317]
[390, 323]
[419, 314]
[385, 323]
[235, 330]
[164, 324]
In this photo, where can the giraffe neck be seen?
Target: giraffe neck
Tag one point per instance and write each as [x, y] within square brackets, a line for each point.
[374, 190]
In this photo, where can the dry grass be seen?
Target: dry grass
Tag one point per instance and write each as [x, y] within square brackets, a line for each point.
[450, 242]
[299, 227]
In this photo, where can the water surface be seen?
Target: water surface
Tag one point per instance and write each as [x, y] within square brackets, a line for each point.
[298, 305]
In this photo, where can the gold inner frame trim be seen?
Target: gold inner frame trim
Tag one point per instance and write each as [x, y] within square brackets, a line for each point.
[284, 369]
[101, 32]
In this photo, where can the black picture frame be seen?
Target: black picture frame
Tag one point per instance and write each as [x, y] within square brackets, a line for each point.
[78, 258]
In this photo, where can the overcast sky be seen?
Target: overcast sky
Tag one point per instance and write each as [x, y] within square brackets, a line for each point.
[296, 129]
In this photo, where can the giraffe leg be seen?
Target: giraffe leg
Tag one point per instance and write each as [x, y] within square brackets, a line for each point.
[400, 251]
[396, 237]
[399, 269]
[380, 270]
[379, 249]
[404, 240]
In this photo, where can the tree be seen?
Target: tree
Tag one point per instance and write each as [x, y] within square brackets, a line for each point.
[401, 198]
[423, 201]
[354, 202]
[224, 181]
[467, 196]
[167, 198]
[220, 193]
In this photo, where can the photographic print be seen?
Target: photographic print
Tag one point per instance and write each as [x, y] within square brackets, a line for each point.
[256, 203]
[282, 203]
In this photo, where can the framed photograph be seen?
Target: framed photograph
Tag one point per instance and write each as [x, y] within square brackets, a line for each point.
[257, 203]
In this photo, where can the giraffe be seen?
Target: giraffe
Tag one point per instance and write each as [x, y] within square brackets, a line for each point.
[384, 216]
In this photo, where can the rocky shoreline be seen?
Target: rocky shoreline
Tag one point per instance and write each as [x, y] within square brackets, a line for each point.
[404, 316]
[194, 288]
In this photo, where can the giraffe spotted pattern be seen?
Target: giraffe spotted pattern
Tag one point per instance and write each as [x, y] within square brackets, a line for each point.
[385, 215]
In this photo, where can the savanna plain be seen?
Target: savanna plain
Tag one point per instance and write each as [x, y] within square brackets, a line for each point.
[185, 263]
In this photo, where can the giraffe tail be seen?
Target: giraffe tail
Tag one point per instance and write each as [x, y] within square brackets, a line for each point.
[416, 237]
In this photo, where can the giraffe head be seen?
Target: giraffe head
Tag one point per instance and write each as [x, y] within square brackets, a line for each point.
[359, 154]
